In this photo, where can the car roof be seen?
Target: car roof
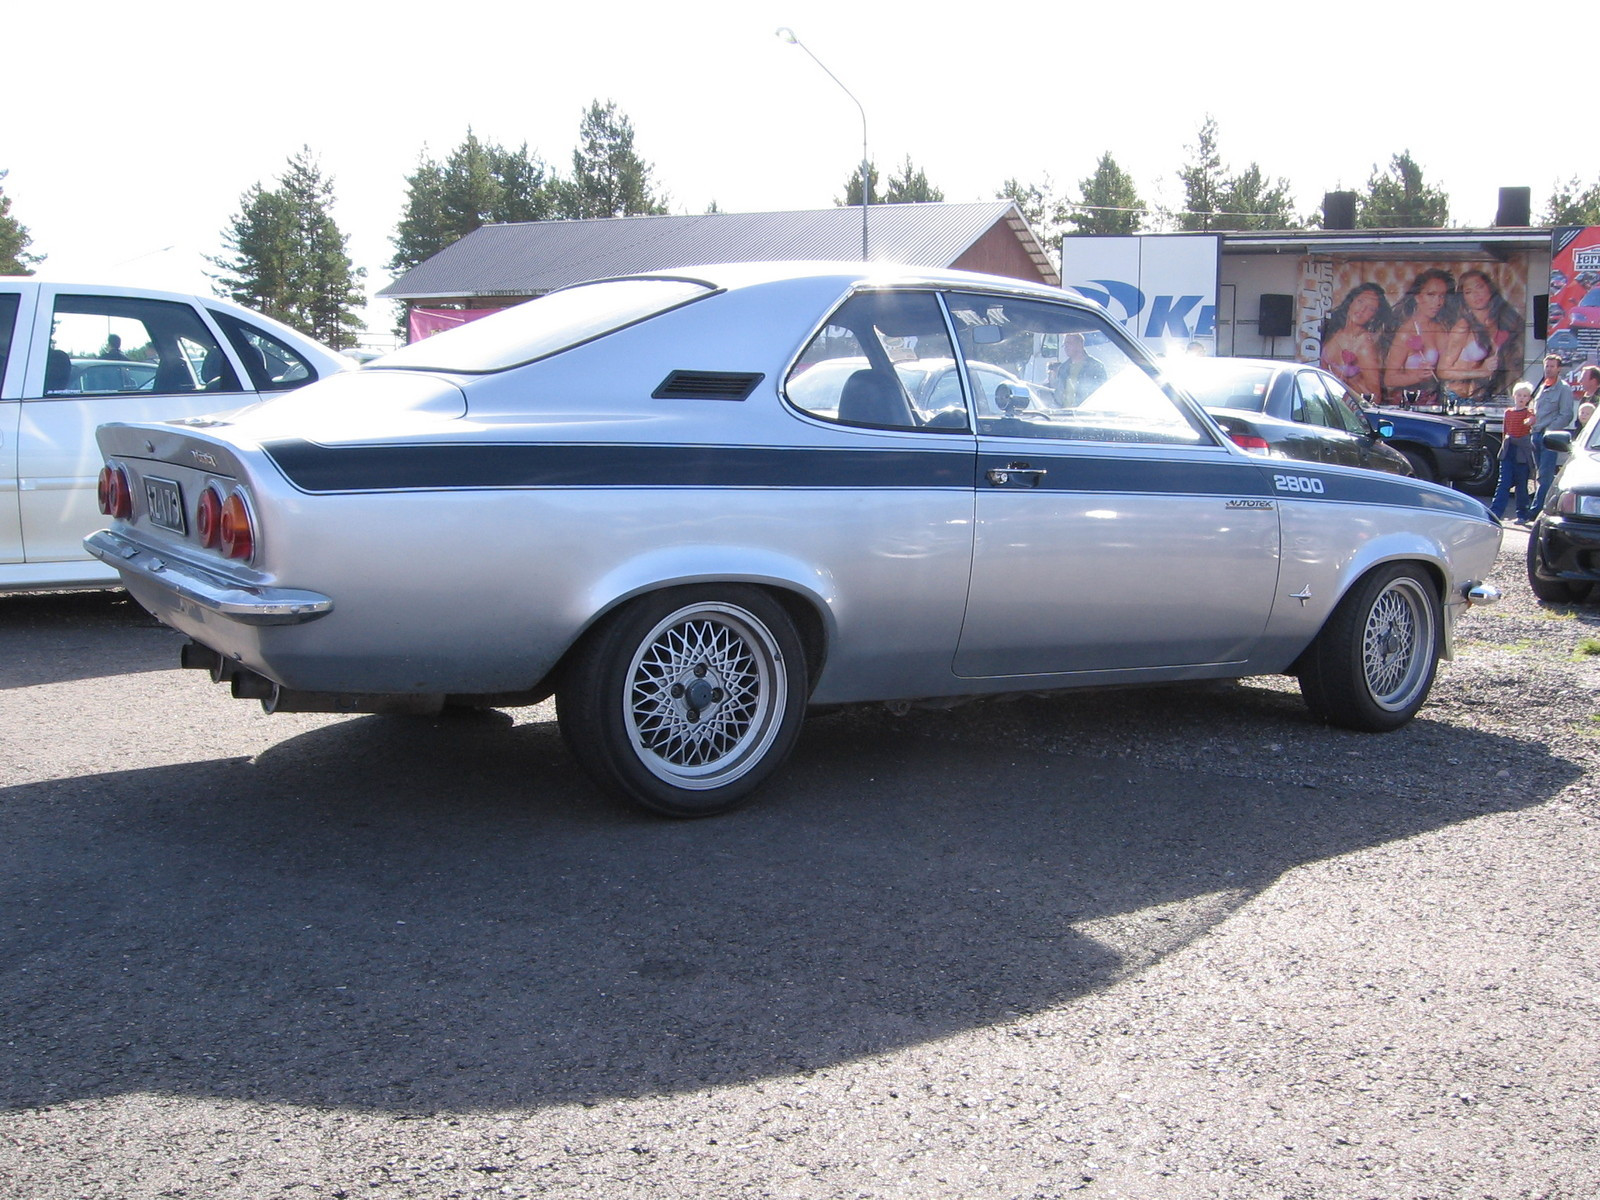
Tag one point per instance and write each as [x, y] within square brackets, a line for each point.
[853, 275]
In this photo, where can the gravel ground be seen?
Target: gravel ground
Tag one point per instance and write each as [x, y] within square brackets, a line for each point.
[1174, 944]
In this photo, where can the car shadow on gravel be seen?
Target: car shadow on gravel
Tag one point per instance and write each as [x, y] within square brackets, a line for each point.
[413, 915]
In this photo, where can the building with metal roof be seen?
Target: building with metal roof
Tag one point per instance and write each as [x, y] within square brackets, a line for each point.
[498, 265]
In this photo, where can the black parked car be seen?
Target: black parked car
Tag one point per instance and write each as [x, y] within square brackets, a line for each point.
[1564, 542]
[1300, 411]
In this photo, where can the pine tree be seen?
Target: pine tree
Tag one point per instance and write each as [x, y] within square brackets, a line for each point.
[14, 240]
[1398, 199]
[1110, 201]
[852, 188]
[285, 257]
[608, 178]
[479, 183]
[1573, 204]
[911, 186]
[1203, 180]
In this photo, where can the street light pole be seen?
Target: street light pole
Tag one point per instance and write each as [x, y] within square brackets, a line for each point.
[787, 35]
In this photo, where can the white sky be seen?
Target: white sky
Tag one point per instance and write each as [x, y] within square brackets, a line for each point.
[132, 130]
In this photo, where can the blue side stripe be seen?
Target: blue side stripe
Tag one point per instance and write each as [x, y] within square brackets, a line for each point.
[455, 466]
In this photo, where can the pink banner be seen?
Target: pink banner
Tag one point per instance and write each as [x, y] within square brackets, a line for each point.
[425, 322]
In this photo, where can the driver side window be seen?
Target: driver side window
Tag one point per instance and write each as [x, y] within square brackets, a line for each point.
[883, 361]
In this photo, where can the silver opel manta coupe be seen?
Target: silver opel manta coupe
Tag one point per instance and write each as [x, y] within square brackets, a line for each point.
[692, 505]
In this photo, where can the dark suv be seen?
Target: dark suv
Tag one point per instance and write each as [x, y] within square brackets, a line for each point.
[1453, 450]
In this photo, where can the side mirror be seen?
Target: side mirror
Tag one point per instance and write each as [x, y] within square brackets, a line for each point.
[1559, 440]
[1384, 429]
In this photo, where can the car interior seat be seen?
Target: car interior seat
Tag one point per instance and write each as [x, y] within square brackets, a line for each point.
[872, 398]
[57, 371]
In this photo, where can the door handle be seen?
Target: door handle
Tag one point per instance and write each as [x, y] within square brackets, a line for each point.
[1016, 475]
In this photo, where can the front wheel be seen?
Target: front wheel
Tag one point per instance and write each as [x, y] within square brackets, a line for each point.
[686, 701]
[1372, 666]
[1551, 591]
[1421, 464]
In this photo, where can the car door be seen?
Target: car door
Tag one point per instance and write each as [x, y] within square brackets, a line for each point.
[99, 356]
[1114, 534]
[13, 362]
[1317, 407]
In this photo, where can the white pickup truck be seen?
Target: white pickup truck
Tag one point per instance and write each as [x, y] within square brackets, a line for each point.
[76, 356]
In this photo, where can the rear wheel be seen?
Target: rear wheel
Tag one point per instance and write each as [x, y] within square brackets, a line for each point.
[1372, 666]
[686, 701]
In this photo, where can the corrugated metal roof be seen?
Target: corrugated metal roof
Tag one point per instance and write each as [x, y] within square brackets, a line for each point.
[535, 257]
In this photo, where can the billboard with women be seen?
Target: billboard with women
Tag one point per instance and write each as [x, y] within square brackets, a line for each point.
[1415, 332]
[1575, 293]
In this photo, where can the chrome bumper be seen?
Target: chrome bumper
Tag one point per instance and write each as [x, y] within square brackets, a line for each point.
[199, 588]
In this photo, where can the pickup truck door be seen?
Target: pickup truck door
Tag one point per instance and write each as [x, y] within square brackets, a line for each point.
[99, 357]
[13, 363]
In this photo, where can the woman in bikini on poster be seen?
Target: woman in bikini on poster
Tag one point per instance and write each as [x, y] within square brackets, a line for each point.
[1352, 338]
[1423, 320]
[1486, 343]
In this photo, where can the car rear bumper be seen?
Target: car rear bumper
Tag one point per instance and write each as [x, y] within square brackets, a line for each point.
[186, 584]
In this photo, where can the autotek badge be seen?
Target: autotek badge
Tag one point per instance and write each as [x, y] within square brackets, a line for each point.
[1248, 504]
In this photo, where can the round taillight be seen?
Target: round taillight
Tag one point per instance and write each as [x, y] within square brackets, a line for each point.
[208, 518]
[116, 497]
[237, 537]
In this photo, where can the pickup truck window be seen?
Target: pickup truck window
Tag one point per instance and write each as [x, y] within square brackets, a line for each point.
[107, 345]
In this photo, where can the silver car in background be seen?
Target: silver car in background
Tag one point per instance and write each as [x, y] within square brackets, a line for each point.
[691, 506]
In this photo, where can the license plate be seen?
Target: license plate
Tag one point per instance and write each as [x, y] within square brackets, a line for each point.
[164, 504]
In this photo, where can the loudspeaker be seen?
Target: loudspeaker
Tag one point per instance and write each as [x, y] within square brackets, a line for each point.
[1277, 315]
[1516, 203]
[1541, 318]
[1339, 210]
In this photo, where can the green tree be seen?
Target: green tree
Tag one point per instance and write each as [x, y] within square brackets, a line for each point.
[1203, 180]
[1573, 204]
[1109, 202]
[1399, 199]
[14, 240]
[852, 187]
[1216, 199]
[284, 256]
[911, 186]
[609, 179]
[1039, 205]
[479, 183]
[1251, 201]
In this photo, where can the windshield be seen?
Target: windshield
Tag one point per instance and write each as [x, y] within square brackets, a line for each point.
[544, 326]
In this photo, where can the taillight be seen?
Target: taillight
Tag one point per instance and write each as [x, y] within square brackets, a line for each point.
[208, 518]
[1250, 442]
[116, 497]
[234, 531]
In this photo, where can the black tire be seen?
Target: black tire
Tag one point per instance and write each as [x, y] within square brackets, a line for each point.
[1421, 464]
[1485, 475]
[1372, 665]
[686, 701]
[1551, 591]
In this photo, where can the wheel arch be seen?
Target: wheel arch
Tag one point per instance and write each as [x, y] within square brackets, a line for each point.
[1431, 568]
[806, 592]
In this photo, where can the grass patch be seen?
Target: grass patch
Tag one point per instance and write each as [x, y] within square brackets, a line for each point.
[1588, 647]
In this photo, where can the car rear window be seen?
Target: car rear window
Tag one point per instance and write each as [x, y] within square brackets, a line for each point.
[546, 326]
[1218, 385]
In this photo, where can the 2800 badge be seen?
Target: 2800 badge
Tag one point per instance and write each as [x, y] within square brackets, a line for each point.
[1298, 483]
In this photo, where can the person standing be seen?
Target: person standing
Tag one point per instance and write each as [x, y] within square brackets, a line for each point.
[1516, 454]
[1554, 407]
[1588, 394]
